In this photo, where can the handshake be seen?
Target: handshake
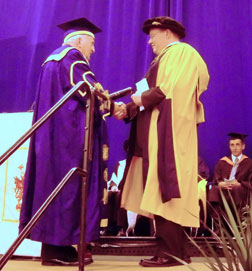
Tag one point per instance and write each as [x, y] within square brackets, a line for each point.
[120, 110]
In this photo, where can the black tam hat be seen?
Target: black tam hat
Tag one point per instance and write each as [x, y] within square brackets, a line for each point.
[237, 136]
[81, 26]
[164, 22]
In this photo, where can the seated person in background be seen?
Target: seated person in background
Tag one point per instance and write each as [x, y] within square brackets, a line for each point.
[232, 173]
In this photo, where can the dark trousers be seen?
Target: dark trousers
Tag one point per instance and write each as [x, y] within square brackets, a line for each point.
[117, 216]
[171, 239]
[216, 209]
[239, 195]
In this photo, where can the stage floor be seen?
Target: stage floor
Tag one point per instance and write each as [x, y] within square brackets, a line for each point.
[104, 263]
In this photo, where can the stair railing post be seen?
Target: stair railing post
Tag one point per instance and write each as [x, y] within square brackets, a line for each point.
[87, 157]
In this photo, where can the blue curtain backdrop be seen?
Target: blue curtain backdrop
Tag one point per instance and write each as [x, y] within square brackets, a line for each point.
[219, 30]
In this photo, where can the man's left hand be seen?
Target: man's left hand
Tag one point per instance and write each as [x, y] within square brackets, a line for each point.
[229, 184]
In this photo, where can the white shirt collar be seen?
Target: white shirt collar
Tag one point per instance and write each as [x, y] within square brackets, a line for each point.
[234, 157]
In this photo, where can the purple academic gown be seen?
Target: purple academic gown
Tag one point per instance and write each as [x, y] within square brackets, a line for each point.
[56, 148]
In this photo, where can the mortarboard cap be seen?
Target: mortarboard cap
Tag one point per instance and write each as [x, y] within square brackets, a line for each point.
[164, 22]
[81, 26]
[237, 136]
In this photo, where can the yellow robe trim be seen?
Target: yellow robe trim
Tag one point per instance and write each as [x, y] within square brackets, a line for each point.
[83, 76]
[59, 56]
[81, 32]
[230, 162]
[182, 77]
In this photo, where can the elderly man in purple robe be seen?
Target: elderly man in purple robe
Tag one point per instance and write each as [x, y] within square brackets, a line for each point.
[58, 146]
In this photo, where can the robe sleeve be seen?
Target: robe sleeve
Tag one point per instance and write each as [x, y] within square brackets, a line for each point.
[132, 110]
[246, 181]
[201, 87]
[74, 68]
[152, 97]
[79, 70]
[183, 74]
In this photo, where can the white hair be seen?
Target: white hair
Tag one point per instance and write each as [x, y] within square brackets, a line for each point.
[72, 39]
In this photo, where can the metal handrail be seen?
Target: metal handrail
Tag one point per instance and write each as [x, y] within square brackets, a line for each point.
[55, 108]
[41, 121]
[27, 229]
[87, 157]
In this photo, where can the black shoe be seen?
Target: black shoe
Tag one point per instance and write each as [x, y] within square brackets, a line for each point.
[60, 262]
[161, 262]
[64, 253]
